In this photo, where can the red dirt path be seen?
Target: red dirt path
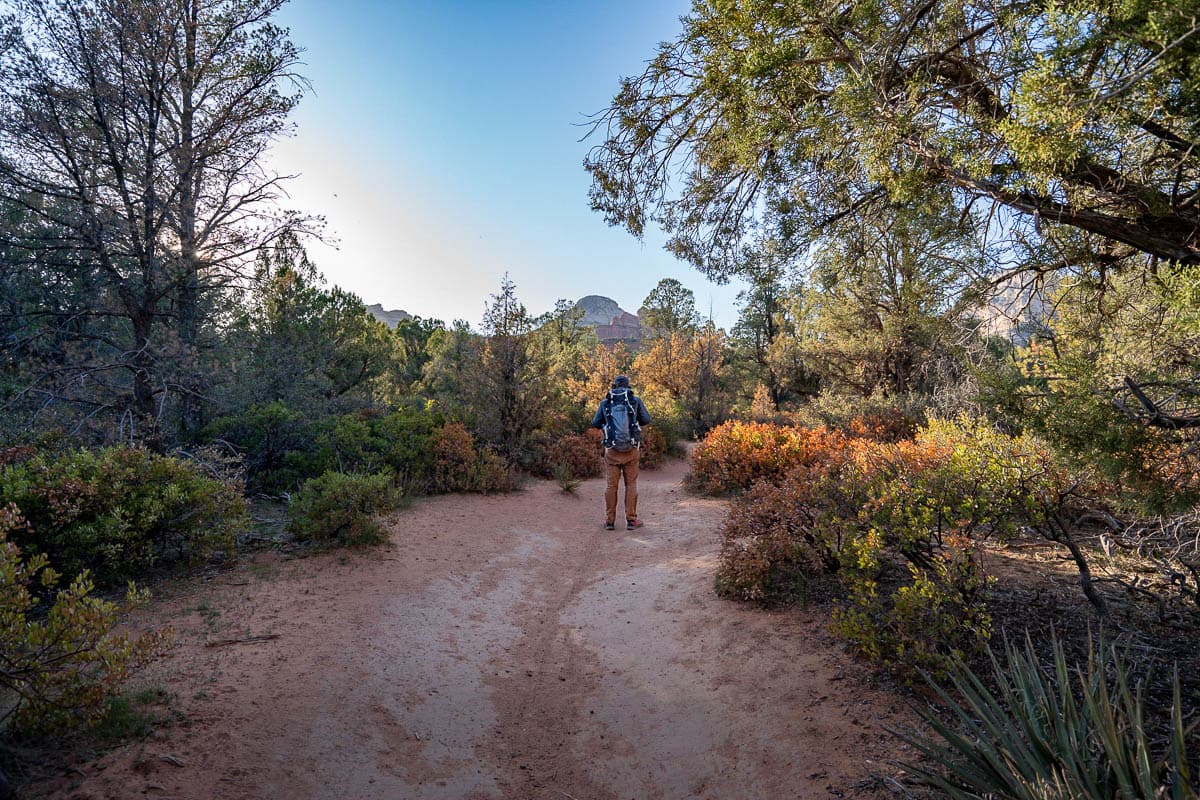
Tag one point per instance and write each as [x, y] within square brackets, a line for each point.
[503, 647]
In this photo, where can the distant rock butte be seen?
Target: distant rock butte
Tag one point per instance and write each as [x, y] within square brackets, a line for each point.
[612, 323]
[390, 318]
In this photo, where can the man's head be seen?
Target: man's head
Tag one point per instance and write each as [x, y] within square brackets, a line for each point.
[621, 382]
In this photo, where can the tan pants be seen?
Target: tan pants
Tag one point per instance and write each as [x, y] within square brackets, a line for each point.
[619, 464]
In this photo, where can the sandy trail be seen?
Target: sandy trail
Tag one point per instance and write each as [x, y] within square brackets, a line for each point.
[503, 647]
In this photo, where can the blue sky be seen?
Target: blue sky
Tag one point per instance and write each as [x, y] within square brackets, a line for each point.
[441, 143]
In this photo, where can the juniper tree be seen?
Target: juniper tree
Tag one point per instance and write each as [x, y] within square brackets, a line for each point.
[132, 135]
[768, 121]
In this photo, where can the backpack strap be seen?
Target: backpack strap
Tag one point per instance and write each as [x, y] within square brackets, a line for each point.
[606, 407]
[635, 427]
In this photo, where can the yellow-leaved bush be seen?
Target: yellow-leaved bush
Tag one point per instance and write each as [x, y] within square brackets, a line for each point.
[62, 656]
[896, 527]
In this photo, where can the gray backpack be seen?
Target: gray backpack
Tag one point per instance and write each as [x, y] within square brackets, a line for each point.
[621, 430]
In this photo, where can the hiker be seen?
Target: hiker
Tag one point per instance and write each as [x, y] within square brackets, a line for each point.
[621, 416]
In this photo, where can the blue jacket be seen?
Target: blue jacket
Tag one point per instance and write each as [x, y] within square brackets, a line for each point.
[643, 416]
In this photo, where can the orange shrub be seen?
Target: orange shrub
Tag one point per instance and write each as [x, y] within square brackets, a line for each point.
[654, 447]
[458, 466]
[736, 454]
[897, 526]
[886, 425]
[581, 455]
[17, 454]
[773, 548]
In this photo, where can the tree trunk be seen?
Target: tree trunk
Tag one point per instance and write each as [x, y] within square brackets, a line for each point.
[189, 289]
[142, 363]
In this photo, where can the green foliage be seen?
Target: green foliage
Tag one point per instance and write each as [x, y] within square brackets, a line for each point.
[1072, 385]
[670, 419]
[282, 448]
[278, 445]
[885, 303]
[669, 308]
[131, 715]
[447, 377]
[566, 480]
[516, 386]
[118, 512]
[341, 508]
[897, 524]
[1031, 733]
[763, 340]
[400, 441]
[305, 345]
[118, 329]
[767, 125]
[938, 614]
[414, 336]
[62, 661]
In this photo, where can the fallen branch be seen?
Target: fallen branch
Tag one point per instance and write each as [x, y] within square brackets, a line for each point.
[1156, 418]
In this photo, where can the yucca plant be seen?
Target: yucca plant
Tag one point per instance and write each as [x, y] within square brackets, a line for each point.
[1069, 734]
[566, 478]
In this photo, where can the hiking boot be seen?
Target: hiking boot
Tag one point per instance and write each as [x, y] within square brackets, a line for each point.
[633, 524]
[608, 526]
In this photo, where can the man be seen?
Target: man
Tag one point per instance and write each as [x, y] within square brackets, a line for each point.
[621, 416]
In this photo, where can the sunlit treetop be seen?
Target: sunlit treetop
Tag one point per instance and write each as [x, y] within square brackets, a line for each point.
[774, 121]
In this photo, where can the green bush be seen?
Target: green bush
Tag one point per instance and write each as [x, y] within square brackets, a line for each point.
[61, 660]
[425, 453]
[340, 507]
[566, 479]
[672, 420]
[279, 446]
[924, 620]
[282, 448]
[401, 441]
[117, 512]
[1035, 733]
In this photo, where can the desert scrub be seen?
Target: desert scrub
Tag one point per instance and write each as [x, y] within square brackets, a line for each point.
[580, 456]
[119, 511]
[459, 465]
[566, 479]
[279, 446]
[776, 545]
[1031, 732]
[62, 660]
[734, 455]
[898, 526]
[876, 417]
[341, 508]
[655, 447]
